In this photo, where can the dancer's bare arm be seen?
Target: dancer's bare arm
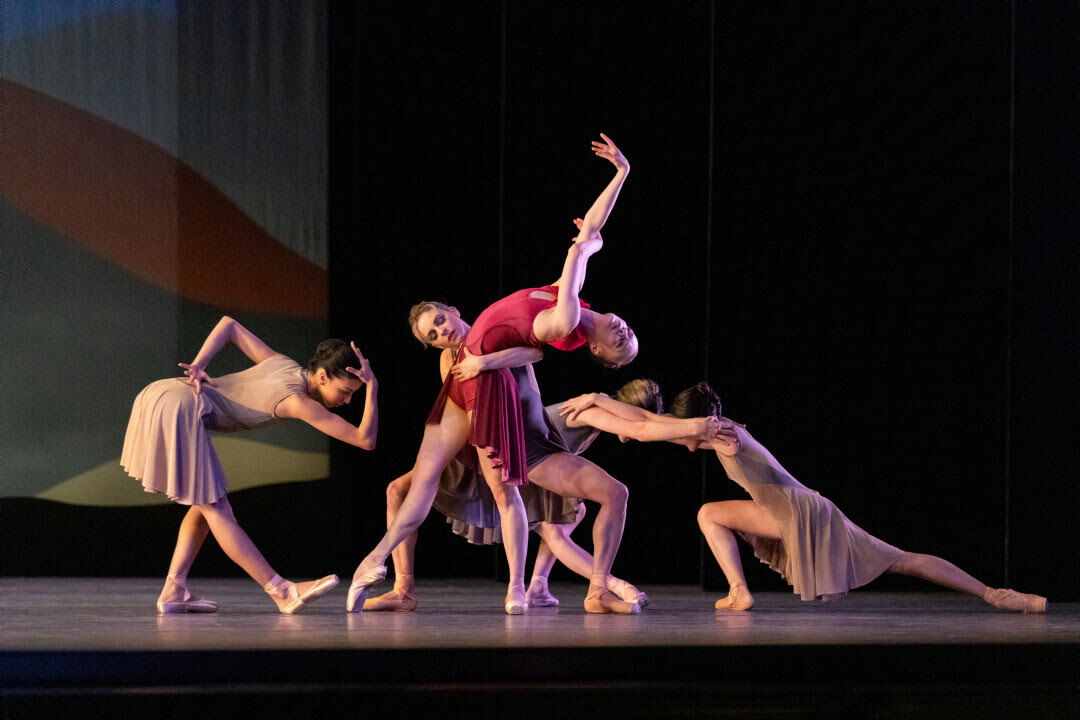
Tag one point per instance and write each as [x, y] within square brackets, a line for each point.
[472, 365]
[315, 414]
[644, 430]
[559, 321]
[601, 208]
[227, 330]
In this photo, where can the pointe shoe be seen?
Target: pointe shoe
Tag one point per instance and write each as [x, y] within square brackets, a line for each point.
[602, 600]
[538, 595]
[298, 595]
[1007, 599]
[397, 600]
[187, 604]
[516, 602]
[627, 592]
[738, 598]
[362, 578]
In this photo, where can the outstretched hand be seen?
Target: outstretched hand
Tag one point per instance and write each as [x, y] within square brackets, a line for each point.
[577, 405]
[198, 376]
[608, 151]
[364, 373]
[468, 367]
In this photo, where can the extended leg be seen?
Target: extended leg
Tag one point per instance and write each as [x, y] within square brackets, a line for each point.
[718, 521]
[441, 442]
[943, 572]
[289, 597]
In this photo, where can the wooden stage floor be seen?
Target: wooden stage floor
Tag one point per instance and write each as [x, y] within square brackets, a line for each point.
[83, 644]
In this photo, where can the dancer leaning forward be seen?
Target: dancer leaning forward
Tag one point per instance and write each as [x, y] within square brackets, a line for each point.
[167, 446]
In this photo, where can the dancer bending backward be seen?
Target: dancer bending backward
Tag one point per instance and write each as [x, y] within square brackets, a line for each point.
[802, 535]
[469, 509]
[168, 448]
[484, 411]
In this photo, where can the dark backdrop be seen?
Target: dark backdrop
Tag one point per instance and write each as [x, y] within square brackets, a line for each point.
[846, 218]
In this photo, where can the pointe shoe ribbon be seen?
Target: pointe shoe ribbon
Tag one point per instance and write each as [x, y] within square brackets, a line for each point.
[354, 603]
[189, 604]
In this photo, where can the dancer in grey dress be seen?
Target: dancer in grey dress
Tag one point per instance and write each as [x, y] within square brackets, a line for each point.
[802, 535]
[167, 446]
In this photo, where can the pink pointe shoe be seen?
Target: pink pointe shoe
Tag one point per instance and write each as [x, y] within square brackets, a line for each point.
[358, 590]
[187, 603]
[627, 592]
[397, 600]
[291, 598]
[538, 595]
[1007, 599]
[516, 602]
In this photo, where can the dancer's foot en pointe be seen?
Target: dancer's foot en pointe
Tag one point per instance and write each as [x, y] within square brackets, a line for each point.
[1007, 599]
[400, 599]
[364, 576]
[538, 594]
[176, 598]
[291, 598]
[626, 591]
[516, 600]
[738, 598]
[601, 600]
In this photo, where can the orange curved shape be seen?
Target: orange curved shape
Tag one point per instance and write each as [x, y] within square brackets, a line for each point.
[128, 201]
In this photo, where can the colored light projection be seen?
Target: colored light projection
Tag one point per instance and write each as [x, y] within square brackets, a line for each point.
[161, 164]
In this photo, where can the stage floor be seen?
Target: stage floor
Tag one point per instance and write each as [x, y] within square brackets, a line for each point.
[118, 614]
[85, 647]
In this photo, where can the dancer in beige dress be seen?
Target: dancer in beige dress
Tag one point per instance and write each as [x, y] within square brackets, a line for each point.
[801, 534]
[167, 446]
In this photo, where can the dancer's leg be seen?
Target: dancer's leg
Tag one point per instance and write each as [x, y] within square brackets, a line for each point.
[567, 474]
[943, 572]
[401, 598]
[289, 597]
[193, 532]
[717, 521]
[441, 442]
[515, 532]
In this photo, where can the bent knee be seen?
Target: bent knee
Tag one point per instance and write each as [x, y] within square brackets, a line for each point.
[396, 491]
[616, 494]
[710, 514]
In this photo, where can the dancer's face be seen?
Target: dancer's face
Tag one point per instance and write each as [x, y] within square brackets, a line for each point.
[442, 328]
[614, 341]
[334, 392]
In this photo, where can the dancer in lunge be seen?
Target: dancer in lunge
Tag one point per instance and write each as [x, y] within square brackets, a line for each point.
[483, 410]
[802, 535]
[168, 447]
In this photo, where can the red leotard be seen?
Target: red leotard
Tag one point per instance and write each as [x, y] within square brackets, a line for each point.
[492, 396]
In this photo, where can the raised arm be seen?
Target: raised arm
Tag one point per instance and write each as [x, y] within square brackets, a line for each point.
[315, 414]
[598, 214]
[227, 330]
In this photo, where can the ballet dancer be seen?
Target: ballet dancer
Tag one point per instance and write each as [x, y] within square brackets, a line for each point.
[553, 515]
[801, 534]
[167, 446]
[483, 410]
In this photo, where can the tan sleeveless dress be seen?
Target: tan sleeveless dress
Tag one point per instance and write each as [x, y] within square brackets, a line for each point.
[167, 445]
[820, 552]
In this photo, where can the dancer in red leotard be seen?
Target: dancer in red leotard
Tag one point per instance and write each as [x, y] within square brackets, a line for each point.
[479, 405]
